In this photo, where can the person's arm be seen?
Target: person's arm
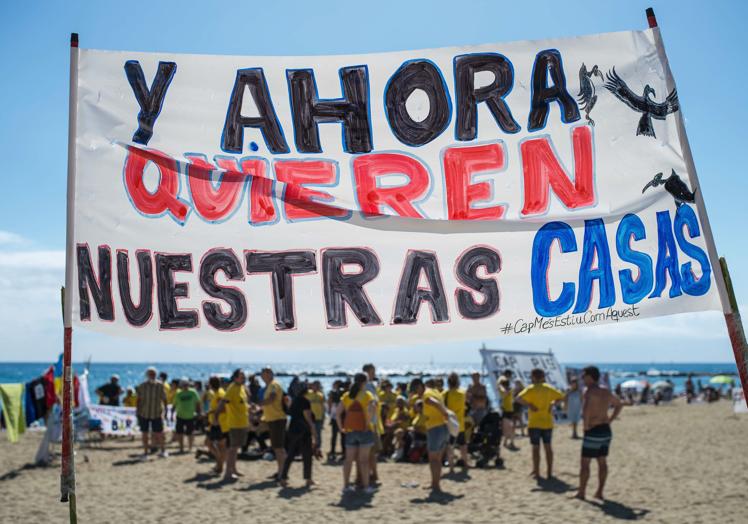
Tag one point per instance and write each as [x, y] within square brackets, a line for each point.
[199, 404]
[269, 396]
[438, 405]
[521, 399]
[339, 415]
[585, 411]
[310, 422]
[617, 407]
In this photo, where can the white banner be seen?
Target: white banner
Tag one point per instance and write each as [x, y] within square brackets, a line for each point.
[393, 198]
[738, 401]
[115, 420]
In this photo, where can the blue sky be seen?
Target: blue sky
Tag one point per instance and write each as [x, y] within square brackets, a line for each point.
[706, 47]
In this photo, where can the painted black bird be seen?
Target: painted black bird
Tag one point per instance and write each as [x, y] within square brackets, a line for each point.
[675, 186]
[587, 97]
[643, 104]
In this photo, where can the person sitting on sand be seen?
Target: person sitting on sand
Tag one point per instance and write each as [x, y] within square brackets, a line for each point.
[150, 411]
[302, 432]
[236, 405]
[398, 424]
[597, 435]
[540, 399]
[355, 416]
[437, 432]
[186, 407]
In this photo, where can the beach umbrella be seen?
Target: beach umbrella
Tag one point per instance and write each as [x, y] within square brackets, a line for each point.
[721, 379]
[661, 384]
[633, 384]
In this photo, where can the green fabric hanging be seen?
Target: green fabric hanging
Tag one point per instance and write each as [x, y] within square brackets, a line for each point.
[15, 419]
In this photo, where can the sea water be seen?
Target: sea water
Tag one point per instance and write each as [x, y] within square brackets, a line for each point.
[131, 374]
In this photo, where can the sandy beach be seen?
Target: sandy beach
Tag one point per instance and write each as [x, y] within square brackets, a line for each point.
[677, 463]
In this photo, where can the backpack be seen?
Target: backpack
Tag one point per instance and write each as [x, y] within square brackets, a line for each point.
[355, 418]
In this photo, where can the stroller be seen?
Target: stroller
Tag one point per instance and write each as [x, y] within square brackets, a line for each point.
[485, 441]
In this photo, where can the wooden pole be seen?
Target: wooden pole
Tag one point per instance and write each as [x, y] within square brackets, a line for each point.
[67, 473]
[722, 277]
[735, 329]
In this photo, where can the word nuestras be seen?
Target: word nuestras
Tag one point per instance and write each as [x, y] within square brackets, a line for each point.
[226, 308]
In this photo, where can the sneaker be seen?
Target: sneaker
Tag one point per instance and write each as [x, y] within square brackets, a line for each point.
[370, 490]
[348, 490]
[163, 454]
[143, 457]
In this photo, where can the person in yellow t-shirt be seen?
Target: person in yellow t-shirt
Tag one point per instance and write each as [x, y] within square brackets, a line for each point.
[218, 432]
[235, 406]
[455, 400]
[507, 409]
[130, 400]
[540, 399]
[437, 432]
[355, 417]
[317, 402]
[274, 415]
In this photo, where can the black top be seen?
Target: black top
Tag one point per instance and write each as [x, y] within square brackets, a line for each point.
[112, 393]
[298, 423]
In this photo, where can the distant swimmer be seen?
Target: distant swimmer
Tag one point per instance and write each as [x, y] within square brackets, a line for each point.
[596, 418]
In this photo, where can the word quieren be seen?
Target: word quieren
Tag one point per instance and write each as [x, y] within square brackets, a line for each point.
[596, 263]
[340, 286]
[542, 172]
[352, 109]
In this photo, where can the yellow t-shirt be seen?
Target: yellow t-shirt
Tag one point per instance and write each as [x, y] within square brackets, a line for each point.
[317, 401]
[419, 423]
[237, 408]
[274, 410]
[507, 400]
[542, 396]
[454, 399]
[434, 417]
[169, 394]
[364, 398]
[388, 399]
[130, 402]
[400, 418]
[215, 397]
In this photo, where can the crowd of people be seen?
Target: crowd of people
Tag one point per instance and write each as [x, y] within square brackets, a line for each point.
[370, 420]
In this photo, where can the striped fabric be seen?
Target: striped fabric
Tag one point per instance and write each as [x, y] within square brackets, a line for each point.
[151, 398]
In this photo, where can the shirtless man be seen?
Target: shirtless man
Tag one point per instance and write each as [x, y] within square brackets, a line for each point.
[477, 399]
[596, 418]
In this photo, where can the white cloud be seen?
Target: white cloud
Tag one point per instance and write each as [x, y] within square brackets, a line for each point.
[8, 238]
[45, 260]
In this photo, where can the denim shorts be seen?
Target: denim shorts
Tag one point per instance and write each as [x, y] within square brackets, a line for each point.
[437, 438]
[359, 439]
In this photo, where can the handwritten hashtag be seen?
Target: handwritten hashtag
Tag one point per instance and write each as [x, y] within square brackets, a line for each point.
[507, 328]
